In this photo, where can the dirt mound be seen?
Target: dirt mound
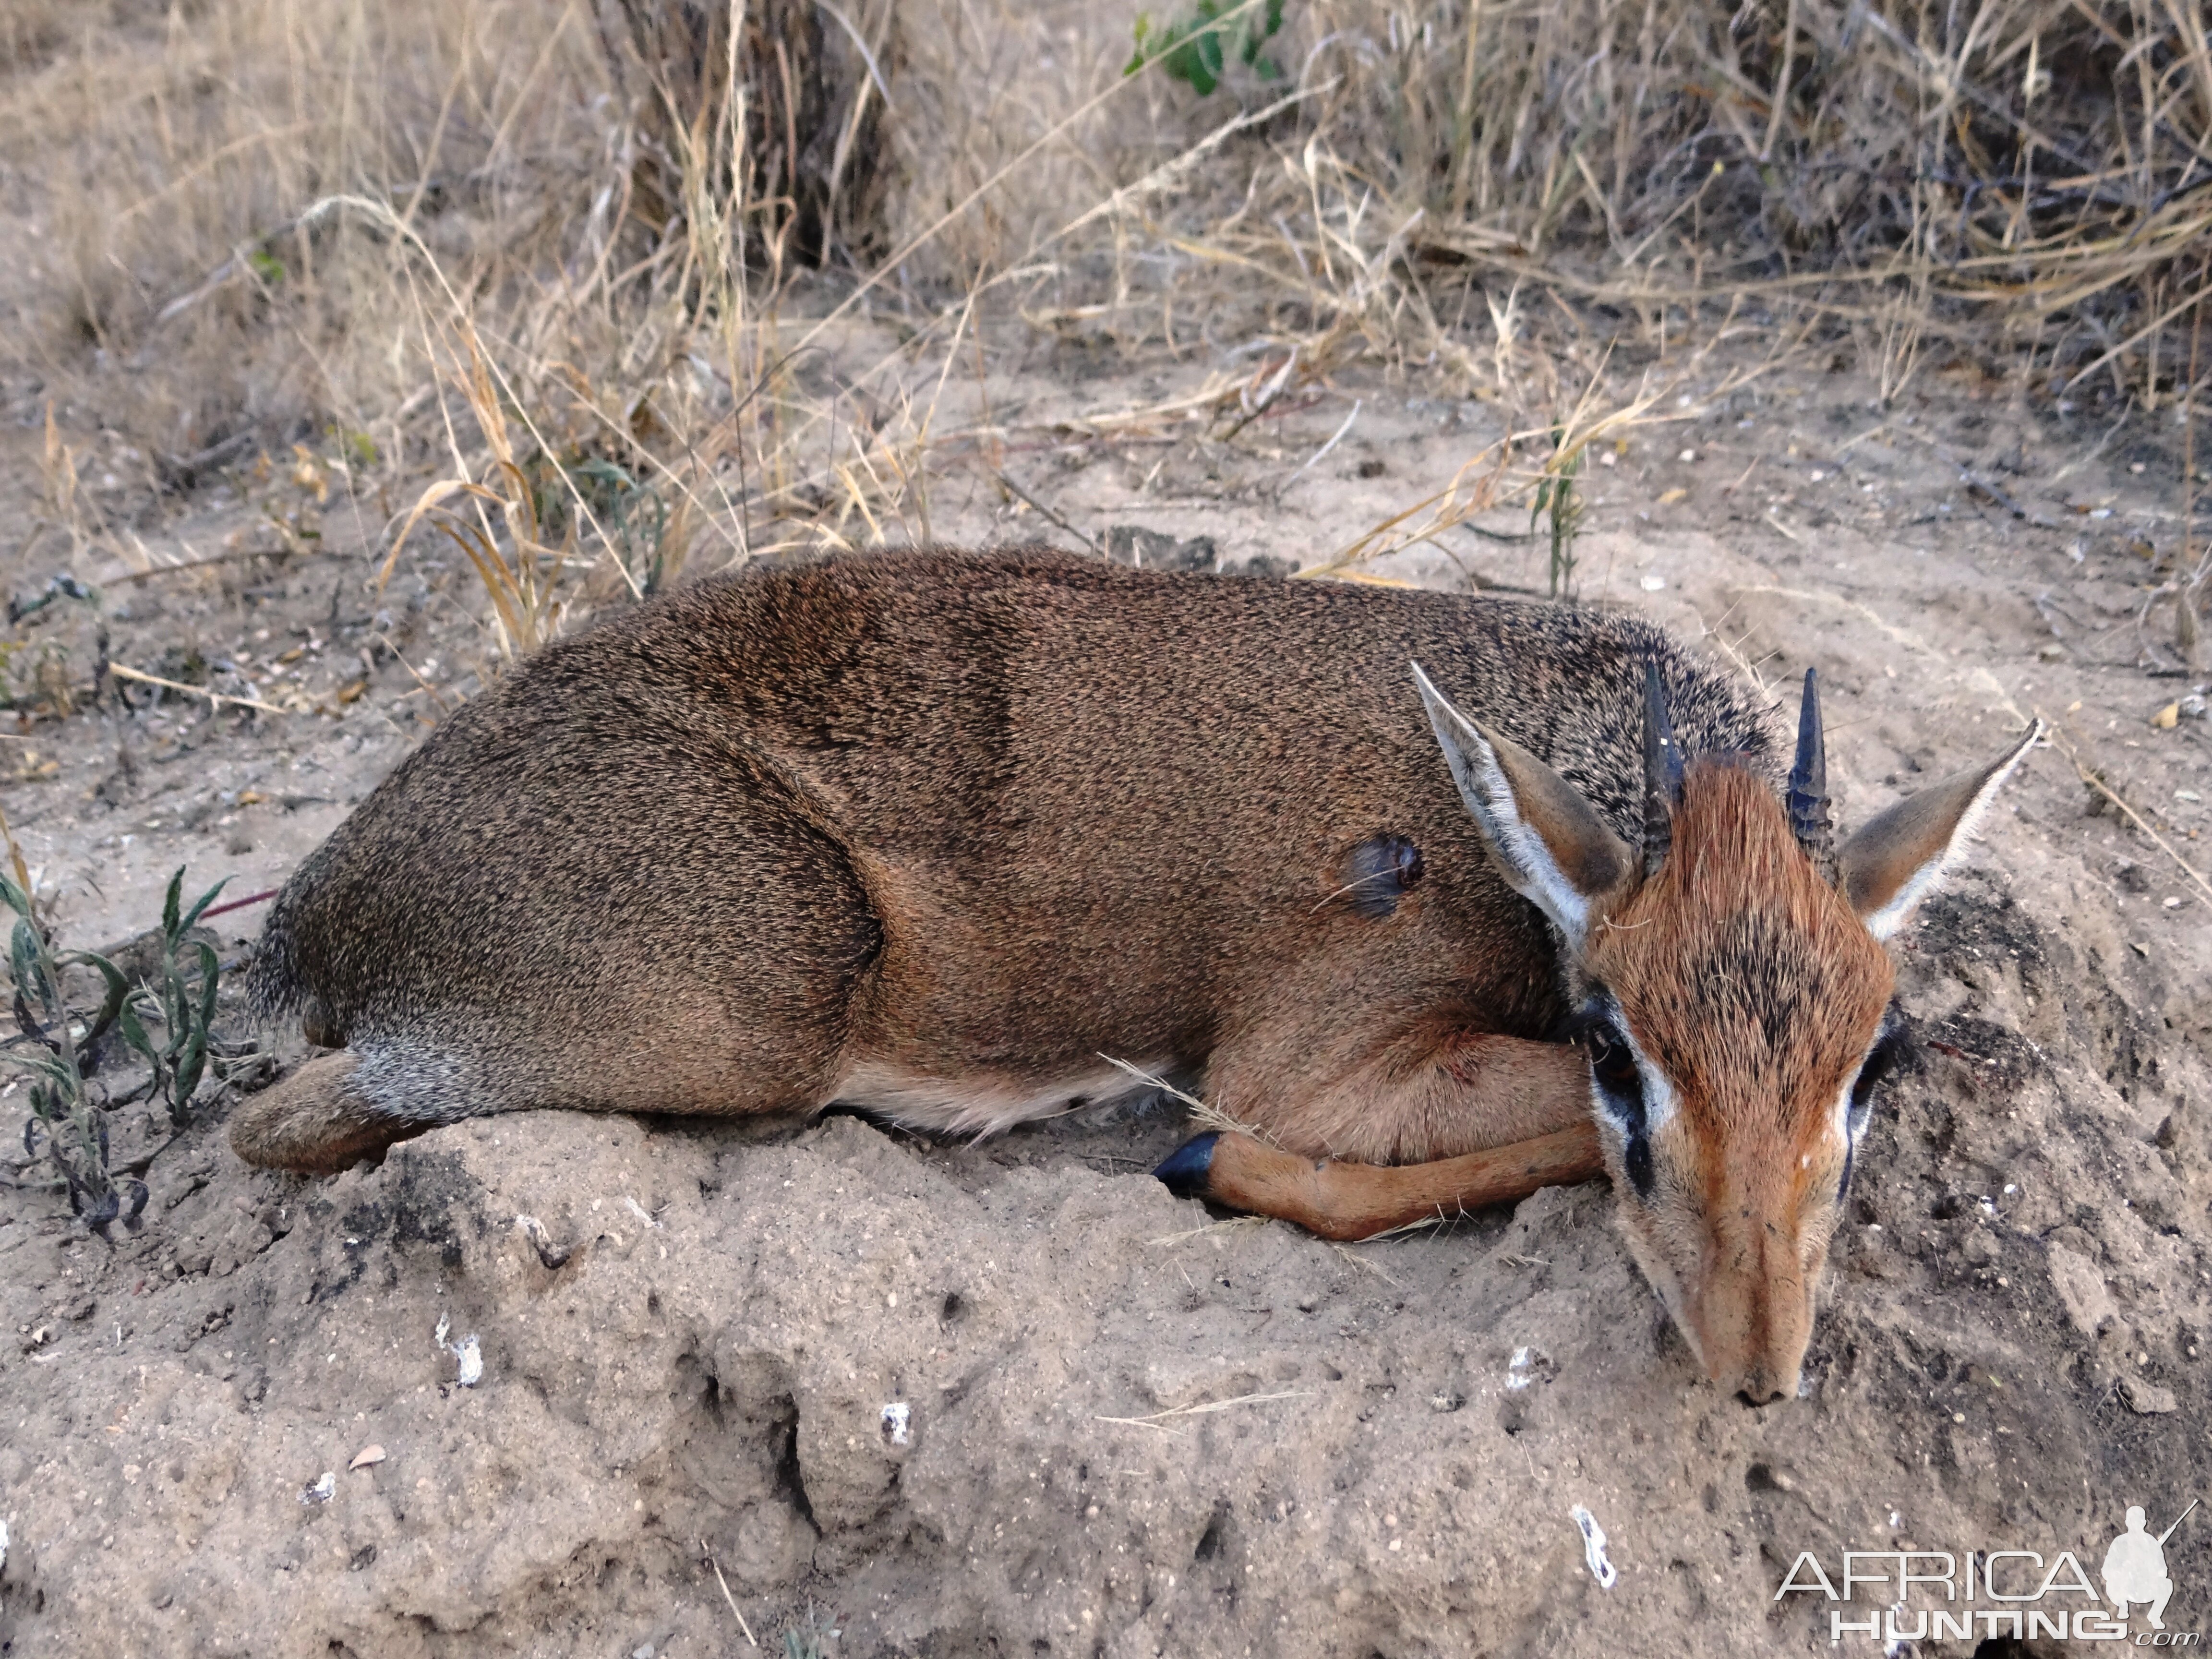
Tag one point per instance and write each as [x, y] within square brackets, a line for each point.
[905, 1399]
[998, 1399]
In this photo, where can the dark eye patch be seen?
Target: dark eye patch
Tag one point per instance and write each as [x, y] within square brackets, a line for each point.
[1377, 872]
[1619, 1083]
[1890, 1049]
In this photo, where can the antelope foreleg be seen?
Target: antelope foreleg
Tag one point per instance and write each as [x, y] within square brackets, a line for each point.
[1358, 1200]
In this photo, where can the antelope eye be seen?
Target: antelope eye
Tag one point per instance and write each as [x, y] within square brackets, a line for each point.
[1878, 1066]
[1613, 1064]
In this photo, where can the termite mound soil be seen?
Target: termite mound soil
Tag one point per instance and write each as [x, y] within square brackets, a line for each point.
[908, 1398]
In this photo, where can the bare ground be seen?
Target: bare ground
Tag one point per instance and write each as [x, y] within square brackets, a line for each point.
[919, 1399]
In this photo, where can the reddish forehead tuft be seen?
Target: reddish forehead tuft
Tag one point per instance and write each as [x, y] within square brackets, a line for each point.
[1745, 976]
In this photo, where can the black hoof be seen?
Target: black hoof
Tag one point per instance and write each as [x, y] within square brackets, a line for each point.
[1184, 1171]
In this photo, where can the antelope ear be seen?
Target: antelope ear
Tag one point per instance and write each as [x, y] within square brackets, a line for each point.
[1550, 844]
[1896, 858]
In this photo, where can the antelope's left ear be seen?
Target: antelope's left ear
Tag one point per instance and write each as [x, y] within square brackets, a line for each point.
[1896, 858]
[1546, 841]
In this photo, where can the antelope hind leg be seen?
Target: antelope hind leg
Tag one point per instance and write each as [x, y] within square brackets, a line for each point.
[314, 1122]
[1358, 1200]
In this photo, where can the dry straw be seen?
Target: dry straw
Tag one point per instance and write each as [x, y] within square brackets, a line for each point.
[635, 287]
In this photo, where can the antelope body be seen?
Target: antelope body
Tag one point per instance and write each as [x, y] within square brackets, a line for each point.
[934, 834]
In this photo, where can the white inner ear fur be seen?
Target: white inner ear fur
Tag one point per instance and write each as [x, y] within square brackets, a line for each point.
[1893, 915]
[1522, 858]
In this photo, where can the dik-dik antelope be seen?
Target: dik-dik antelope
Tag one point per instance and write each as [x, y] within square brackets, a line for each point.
[933, 834]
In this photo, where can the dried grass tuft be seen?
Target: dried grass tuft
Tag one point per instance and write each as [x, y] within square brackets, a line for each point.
[715, 297]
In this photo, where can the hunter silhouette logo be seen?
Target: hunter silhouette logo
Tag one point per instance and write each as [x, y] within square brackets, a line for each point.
[1898, 1595]
[2134, 1567]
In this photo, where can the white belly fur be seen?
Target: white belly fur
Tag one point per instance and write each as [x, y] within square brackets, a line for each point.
[979, 1105]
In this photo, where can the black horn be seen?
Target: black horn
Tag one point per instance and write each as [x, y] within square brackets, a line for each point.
[1810, 820]
[1662, 772]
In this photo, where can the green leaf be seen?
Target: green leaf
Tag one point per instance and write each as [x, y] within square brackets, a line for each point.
[32, 980]
[118, 989]
[14, 896]
[210, 973]
[206, 899]
[134, 1034]
[267, 266]
[1143, 53]
[188, 1067]
[1209, 52]
[40, 1062]
[22, 952]
[169, 905]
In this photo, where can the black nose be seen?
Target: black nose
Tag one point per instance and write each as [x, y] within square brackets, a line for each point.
[1755, 1395]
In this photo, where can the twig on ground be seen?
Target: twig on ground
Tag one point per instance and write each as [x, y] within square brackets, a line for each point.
[1358, 1260]
[2051, 732]
[1335, 438]
[1235, 1224]
[217, 697]
[1006, 479]
[727, 1597]
[241, 904]
[1159, 1420]
[159, 570]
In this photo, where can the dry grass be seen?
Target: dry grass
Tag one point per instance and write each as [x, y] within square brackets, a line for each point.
[176, 278]
[2015, 174]
[470, 248]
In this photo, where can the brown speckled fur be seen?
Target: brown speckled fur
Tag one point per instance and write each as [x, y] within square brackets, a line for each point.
[961, 816]
[932, 833]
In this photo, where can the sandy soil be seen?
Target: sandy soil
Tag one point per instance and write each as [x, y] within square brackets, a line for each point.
[915, 1399]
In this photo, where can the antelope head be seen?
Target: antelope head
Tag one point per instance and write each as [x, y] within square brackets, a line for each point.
[1735, 1002]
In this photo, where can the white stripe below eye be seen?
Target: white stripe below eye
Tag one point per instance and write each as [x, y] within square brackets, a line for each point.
[1846, 1131]
[1661, 1103]
[1842, 1128]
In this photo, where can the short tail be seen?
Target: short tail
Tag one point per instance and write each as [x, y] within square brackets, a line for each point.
[275, 982]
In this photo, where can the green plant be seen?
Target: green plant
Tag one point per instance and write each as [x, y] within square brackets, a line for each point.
[183, 1005]
[1200, 49]
[1559, 501]
[528, 595]
[810, 1641]
[55, 1044]
[58, 1046]
[634, 515]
